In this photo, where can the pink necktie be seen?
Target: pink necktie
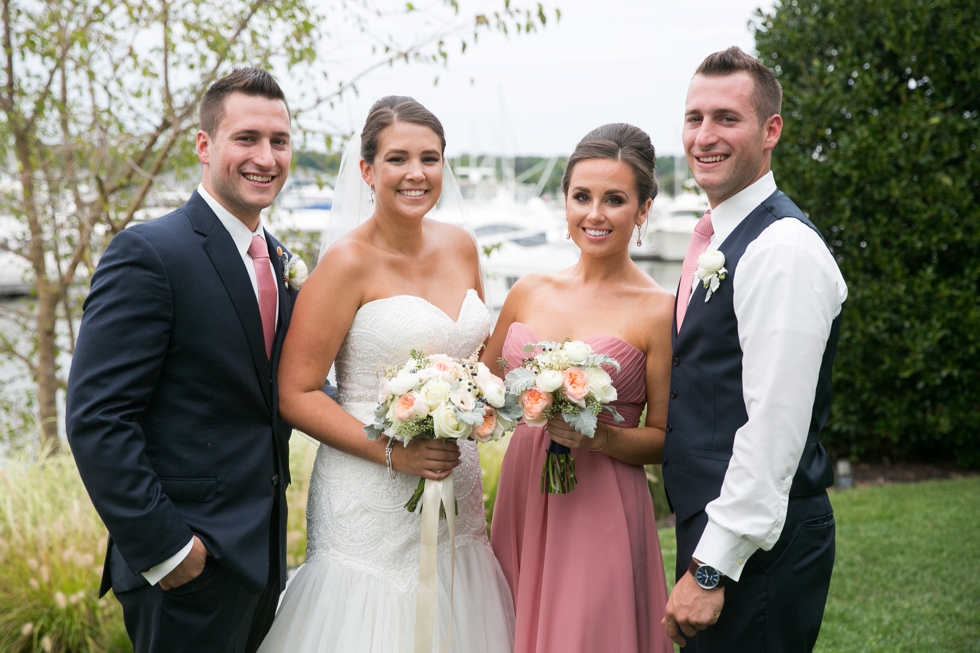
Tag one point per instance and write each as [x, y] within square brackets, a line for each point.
[699, 243]
[267, 290]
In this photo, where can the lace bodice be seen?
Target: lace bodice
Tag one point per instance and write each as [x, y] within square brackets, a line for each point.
[356, 514]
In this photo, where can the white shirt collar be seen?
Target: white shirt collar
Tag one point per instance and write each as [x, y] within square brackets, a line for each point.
[239, 232]
[730, 213]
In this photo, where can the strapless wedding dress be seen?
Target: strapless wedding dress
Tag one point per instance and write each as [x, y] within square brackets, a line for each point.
[356, 592]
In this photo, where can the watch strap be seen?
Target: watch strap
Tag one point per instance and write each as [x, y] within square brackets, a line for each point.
[693, 570]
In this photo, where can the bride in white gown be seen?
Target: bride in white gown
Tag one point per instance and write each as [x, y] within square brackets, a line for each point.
[395, 282]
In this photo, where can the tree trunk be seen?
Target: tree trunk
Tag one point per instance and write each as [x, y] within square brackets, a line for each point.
[47, 371]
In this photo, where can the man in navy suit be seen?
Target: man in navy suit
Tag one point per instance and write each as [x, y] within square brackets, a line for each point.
[172, 404]
[756, 325]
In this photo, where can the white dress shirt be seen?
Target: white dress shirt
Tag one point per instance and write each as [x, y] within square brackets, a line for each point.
[243, 239]
[787, 290]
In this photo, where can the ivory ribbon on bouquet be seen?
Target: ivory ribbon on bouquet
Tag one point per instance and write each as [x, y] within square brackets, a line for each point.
[434, 494]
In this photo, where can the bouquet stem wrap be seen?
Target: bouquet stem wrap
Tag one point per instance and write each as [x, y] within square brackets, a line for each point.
[558, 472]
[435, 496]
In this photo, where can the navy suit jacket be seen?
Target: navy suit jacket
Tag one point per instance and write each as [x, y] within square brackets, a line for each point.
[172, 410]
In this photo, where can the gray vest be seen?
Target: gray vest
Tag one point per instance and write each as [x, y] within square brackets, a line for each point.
[706, 400]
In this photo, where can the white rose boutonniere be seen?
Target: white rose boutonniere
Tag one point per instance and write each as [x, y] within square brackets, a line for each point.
[295, 272]
[711, 271]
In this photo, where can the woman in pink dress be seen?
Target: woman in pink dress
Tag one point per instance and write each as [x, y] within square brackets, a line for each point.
[585, 567]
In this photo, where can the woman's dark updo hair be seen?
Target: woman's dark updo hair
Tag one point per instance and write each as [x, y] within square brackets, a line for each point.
[393, 108]
[618, 142]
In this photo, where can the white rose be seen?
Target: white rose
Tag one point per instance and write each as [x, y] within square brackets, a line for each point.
[711, 262]
[600, 385]
[462, 400]
[446, 425]
[549, 380]
[494, 392]
[403, 382]
[434, 392]
[577, 352]
[296, 273]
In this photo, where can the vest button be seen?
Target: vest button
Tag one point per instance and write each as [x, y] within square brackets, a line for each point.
[669, 428]
[673, 394]
[275, 479]
[676, 361]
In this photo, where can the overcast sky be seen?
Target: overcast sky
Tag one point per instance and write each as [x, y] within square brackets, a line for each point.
[538, 94]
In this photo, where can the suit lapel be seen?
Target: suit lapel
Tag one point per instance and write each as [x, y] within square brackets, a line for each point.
[228, 263]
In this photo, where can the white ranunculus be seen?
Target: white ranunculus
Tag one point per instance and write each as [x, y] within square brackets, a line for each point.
[446, 425]
[549, 380]
[711, 262]
[494, 392]
[296, 272]
[403, 382]
[577, 352]
[462, 400]
[435, 392]
[600, 385]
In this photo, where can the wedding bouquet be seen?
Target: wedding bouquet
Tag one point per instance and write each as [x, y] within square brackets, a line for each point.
[442, 397]
[565, 379]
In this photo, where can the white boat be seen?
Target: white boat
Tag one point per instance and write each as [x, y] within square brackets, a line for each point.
[670, 233]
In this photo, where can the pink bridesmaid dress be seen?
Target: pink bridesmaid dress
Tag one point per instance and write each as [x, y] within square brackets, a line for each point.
[585, 568]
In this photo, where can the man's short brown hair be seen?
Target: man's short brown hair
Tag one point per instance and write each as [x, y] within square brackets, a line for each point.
[250, 81]
[767, 96]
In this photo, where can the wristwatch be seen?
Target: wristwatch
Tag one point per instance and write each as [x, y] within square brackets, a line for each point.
[706, 576]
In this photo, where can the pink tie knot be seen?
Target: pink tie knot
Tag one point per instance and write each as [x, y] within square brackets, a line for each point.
[257, 248]
[704, 226]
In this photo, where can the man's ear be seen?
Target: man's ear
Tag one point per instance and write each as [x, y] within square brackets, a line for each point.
[202, 147]
[773, 129]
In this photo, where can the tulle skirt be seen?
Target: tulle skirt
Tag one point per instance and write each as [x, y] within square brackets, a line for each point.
[330, 607]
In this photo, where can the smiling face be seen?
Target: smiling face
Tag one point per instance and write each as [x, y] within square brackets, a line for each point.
[407, 171]
[726, 145]
[602, 207]
[247, 159]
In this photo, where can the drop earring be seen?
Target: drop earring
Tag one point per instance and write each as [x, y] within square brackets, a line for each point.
[568, 235]
[371, 195]
[639, 240]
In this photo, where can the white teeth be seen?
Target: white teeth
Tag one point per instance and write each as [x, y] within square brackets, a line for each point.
[713, 159]
[259, 179]
[413, 193]
[598, 232]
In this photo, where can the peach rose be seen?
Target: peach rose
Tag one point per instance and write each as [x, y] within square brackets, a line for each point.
[410, 405]
[484, 432]
[535, 402]
[576, 384]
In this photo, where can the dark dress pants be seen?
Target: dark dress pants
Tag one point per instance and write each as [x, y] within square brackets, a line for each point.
[213, 613]
[778, 602]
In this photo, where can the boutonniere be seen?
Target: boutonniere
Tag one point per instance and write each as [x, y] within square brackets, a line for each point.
[294, 270]
[711, 271]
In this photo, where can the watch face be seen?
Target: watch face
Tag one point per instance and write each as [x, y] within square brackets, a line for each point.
[707, 577]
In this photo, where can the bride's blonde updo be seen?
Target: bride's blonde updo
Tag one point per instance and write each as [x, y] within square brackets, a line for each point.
[618, 142]
[390, 109]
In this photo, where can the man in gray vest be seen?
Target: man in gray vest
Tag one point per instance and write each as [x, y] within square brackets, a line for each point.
[755, 330]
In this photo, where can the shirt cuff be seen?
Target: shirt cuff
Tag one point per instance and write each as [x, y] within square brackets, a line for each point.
[154, 575]
[724, 550]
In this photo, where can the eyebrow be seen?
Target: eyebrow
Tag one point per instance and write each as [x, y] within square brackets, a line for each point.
[607, 193]
[397, 151]
[259, 132]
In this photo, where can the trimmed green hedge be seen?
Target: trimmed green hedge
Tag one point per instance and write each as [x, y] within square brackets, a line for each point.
[879, 146]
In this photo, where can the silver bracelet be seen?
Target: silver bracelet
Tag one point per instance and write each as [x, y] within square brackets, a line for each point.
[388, 448]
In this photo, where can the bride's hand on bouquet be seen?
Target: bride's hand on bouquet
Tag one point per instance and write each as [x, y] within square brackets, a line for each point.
[432, 459]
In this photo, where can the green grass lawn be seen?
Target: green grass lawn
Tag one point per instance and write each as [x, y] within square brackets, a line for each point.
[907, 575]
